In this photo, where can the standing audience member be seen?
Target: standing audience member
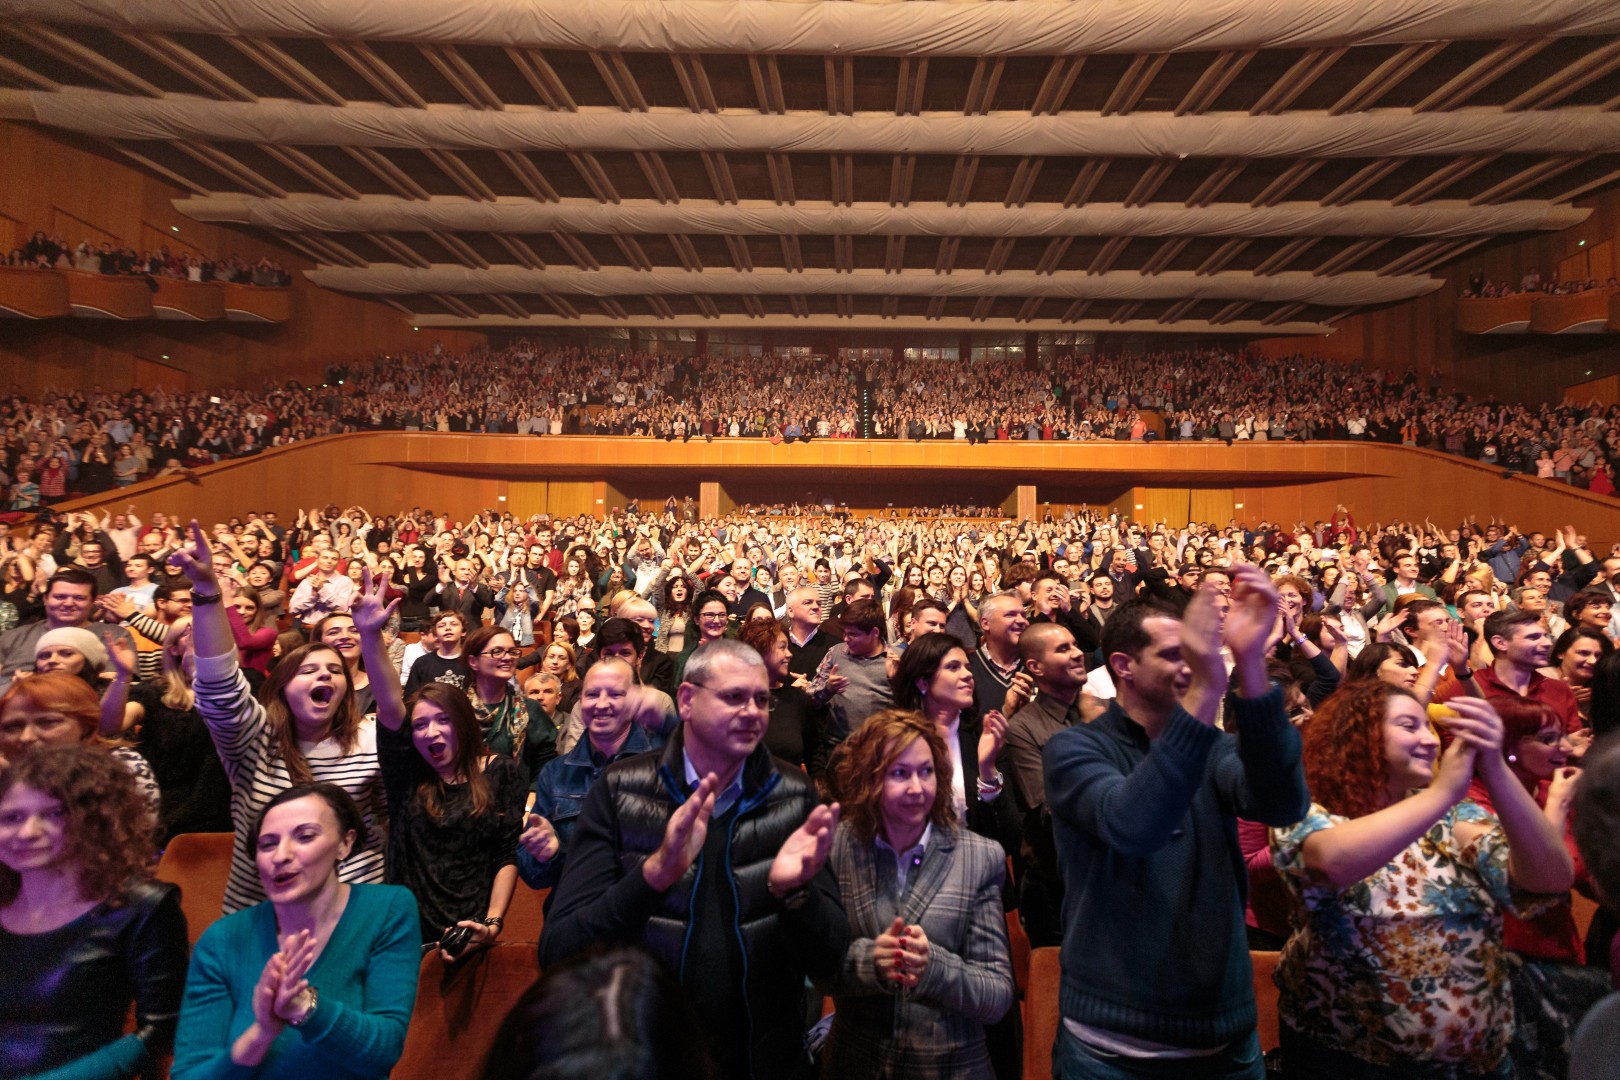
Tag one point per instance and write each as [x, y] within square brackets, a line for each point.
[1402, 881]
[316, 980]
[1143, 805]
[715, 860]
[84, 930]
[307, 729]
[928, 962]
[454, 809]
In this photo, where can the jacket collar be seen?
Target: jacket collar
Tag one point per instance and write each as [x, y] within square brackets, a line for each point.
[635, 743]
[759, 773]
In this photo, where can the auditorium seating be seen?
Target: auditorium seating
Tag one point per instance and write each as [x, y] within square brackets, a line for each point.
[199, 863]
[459, 1007]
[1041, 1013]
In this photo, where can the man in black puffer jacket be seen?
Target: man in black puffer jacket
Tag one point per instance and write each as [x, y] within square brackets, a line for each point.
[712, 855]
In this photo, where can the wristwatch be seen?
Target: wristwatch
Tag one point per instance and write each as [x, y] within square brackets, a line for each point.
[314, 1000]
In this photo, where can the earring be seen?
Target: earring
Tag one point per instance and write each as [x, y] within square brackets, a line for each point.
[1512, 758]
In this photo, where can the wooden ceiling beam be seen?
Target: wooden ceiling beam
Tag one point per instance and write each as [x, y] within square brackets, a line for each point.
[1351, 255]
[399, 249]
[945, 261]
[390, 174]
[1296, 80]
[275, 60]
[766, 74]
[1282, 314]
[1280, 259]
[620, 80]
[365, 62]
[1085, 181]
[228, 166]
[908, 94]
[1052, 257]
[187, 64]
[694, 80]
[1148, 184]
[894, 254]
[741, 258]
[1401, 65]
[658, 177]
[1056, 86]
[780, 168]
[720, 178]
[1528, 178]
[961, 186]
[460, 250]
[1222, 256]
[522, 252]
[311, 170]
[577, 252]
[1214, 82]
[1134, 83]
[1217, 181]
[467, 179]
[1566, 80]
[1230, 312]
[1165, 255]
[1362, 179]
[1109, 254]
[596, 178]
[462, 75]
[1501, 60]
[1290, 178]
[1023, 181]
[53, 42]
[1440, 179]
[981, 91]
[901, 173]
[528, 174]
[839, 72]
[542, 78]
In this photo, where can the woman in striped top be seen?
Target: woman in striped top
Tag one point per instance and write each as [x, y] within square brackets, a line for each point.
[308, 729]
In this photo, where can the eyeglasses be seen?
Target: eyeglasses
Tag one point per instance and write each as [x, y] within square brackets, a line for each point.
[713, 616]
[502, 654]
[737, 699]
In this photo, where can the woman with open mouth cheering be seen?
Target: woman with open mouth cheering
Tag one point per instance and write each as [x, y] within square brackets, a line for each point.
[454, 808]
[307, 729]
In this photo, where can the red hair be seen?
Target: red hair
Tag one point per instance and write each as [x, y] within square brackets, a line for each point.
[1344, 748]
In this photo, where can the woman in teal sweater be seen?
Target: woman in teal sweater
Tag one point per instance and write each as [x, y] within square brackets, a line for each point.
[317, 981]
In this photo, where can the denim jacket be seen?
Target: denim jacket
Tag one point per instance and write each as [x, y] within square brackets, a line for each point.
[559, 792]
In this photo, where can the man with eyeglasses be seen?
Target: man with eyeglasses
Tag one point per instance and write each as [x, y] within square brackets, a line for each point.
[713, 860]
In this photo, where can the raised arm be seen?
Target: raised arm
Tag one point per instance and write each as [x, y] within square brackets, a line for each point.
[370, 615]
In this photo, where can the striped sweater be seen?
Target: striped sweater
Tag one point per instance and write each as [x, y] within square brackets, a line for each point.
[257, 774]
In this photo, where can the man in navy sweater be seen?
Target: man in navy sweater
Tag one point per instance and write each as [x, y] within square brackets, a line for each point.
[1144, 800]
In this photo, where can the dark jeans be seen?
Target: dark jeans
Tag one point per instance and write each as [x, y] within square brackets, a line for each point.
[1306, 1059]
[1074, 1060]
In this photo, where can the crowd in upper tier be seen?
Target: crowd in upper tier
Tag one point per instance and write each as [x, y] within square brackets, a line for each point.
[1533, 282]
[753, 751]
[58, 443]
[47, 252]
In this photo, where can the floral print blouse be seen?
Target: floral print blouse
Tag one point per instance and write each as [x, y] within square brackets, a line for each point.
[1408, 964]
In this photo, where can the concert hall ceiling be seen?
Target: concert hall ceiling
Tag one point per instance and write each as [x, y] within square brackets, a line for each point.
[1006, 165]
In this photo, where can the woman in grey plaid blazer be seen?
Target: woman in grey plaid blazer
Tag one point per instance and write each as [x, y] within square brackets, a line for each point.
[928, 963]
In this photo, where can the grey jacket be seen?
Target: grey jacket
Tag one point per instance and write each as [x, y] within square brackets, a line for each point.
[937, 1028]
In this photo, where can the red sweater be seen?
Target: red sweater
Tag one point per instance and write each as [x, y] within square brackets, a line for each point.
[1551, 935]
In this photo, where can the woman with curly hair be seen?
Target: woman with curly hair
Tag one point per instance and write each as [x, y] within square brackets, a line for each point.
[673, 605]
[305, 726]
[928, 962]
[1402, 881]
[84, 929]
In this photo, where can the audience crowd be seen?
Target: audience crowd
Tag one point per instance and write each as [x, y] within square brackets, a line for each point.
[73, 442]
[1532, 282]
[777, 747]
[43, 252]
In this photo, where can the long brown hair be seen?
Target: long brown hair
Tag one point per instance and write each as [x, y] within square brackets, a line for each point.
[863, 759]
[278, 716]
[455, 704]
[111, 834]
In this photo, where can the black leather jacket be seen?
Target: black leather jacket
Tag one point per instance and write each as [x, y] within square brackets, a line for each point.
[65, 994]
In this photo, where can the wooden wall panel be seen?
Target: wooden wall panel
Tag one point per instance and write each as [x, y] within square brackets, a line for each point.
[462, 474]
[57, 183]
[1605, 391]
[150, 375]
[1421, 333]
